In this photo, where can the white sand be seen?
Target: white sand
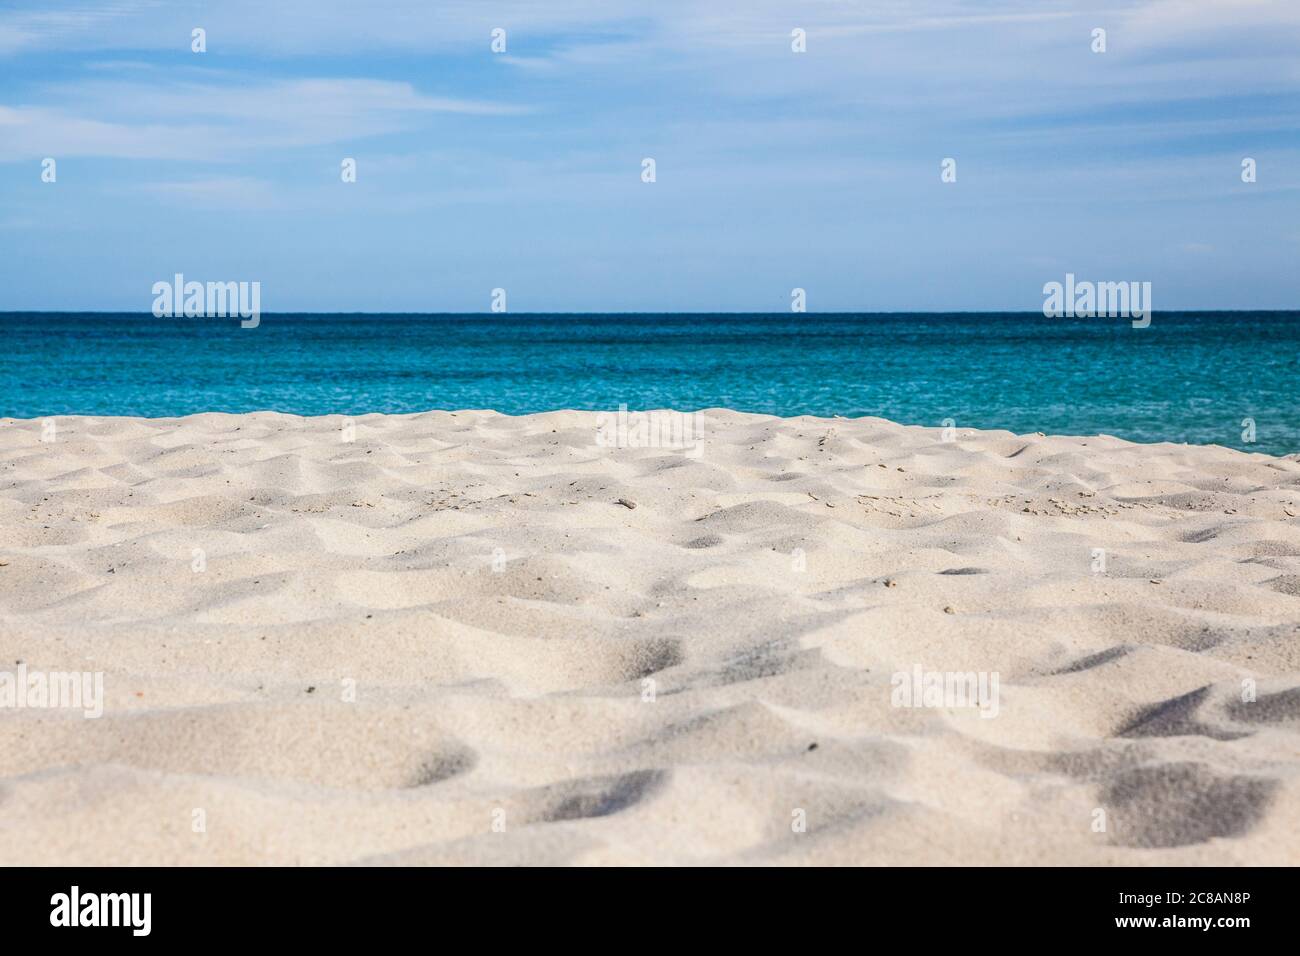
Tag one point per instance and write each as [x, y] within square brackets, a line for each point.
[517, 695]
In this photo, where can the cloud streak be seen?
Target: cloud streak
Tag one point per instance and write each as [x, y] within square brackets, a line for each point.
[202, 121]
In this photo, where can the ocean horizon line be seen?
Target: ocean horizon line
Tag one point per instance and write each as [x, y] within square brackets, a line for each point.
[739, 312]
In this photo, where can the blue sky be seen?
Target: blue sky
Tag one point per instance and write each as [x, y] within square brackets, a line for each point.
[775, 169]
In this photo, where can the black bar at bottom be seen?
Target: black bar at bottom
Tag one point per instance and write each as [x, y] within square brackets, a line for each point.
[336, 906]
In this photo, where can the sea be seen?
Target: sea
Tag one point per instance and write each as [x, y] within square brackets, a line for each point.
[1226, 378]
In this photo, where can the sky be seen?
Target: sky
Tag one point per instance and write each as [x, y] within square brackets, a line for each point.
[775, 169]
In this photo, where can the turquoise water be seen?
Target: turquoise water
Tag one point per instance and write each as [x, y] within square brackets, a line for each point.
[1190, 377]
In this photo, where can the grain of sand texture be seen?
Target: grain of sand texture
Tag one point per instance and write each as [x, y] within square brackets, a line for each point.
[500, 620]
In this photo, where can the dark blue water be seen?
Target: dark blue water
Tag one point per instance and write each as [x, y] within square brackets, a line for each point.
[1188, 377]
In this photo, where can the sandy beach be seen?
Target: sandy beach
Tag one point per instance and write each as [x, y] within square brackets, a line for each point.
[472, 638]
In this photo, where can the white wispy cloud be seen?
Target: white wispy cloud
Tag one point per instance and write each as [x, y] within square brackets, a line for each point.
[220, 192]
[203, 120]
[331, 26]
[296, 27]
[57, 24]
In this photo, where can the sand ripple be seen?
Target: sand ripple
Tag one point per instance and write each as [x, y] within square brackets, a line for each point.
[475, 638]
